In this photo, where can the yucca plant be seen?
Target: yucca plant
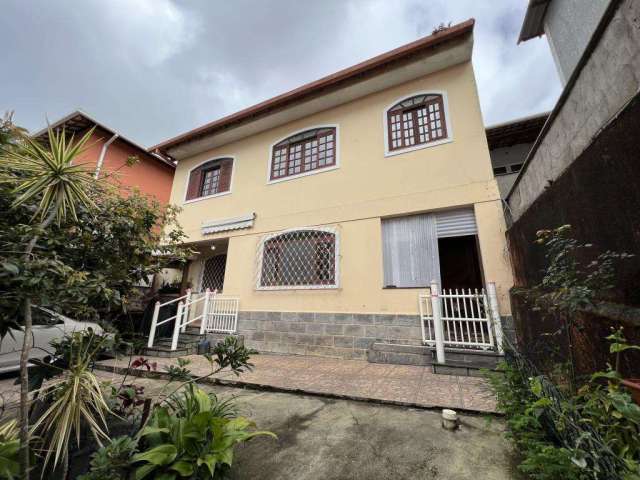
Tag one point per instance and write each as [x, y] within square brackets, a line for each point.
[77, 399]
[9, 446]
[47, 176]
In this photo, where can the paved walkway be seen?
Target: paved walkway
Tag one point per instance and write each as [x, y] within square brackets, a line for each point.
[351, 379]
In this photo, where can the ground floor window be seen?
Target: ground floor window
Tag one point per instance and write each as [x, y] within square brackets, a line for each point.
[440, 246]
[304, 258]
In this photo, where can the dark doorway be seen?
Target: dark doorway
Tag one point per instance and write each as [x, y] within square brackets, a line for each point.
[213, 274]
[460, 262]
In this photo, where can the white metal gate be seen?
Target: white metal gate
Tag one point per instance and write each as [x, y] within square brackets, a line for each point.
[468, 318]
[223, 314]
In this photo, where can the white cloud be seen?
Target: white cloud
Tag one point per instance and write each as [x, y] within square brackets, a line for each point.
[147, 31]
[156, 68]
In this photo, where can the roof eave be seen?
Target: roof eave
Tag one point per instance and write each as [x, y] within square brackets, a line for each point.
[60, 123]
[330, 82]
[533, 23]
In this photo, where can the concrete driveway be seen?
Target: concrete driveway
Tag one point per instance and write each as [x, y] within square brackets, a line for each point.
[334, 439]
[329, 439]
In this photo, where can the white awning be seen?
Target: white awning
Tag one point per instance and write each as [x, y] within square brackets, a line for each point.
[235, 223]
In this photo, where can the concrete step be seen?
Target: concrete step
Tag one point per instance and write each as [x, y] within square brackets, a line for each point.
[166, 352]
[395, 354]
[182, 340]
[215, 338]
[457, 361]
[187, 345]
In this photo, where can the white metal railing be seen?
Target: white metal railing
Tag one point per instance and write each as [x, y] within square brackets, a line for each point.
[215, 313]
[460, 319]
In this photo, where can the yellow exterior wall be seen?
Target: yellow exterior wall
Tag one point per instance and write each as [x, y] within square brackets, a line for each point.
[365, 187]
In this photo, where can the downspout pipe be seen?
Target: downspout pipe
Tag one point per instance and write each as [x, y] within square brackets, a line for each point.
[103, 152]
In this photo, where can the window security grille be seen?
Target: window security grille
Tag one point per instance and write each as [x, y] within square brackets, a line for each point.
[213, 273]
[305, 258]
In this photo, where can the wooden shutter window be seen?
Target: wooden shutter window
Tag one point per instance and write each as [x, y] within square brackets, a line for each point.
[196, 177]
[226, 168]
[416, 120]
[195, 180]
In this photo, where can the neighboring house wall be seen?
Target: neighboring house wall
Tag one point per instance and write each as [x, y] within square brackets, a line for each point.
[584, 172]
[609, 79]
[506, 162]
[149, 174]
[569, 25]
[352, 198]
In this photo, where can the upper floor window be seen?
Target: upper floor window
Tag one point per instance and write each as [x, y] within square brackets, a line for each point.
[298, 259]
[507, 169]
[210, 178]
[304, 152]
[415, 121]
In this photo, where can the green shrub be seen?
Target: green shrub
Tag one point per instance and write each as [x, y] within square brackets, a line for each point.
[9, 446]
[193, 438]
[112, 461]
[602, 420]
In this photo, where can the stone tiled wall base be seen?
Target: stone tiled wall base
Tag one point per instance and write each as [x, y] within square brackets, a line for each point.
[343, 335]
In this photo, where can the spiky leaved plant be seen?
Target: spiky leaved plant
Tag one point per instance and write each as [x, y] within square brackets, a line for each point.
[76, 399]
[46, 175]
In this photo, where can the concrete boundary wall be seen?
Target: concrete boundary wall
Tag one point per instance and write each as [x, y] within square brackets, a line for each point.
[608, 80]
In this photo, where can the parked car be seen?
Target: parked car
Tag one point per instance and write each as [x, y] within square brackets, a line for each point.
[54, 327]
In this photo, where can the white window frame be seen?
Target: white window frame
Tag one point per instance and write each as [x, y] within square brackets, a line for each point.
[221, 194]
[447, 122]
[260, 259]
[312, 172]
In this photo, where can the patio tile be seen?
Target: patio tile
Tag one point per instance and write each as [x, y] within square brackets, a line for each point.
[354, 378]
[478, 397]
[394, 389]
[440, 394]
[351, 386]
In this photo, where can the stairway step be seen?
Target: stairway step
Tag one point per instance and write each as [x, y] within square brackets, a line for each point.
[166, 352]
[395, 354]
[181, 341]
[457, 361]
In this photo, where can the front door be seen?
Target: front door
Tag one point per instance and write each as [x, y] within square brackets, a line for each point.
[213, 273]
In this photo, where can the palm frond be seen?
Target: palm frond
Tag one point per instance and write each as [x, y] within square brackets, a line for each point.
[49, 175]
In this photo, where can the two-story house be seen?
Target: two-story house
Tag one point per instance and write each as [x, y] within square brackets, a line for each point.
[328, 209]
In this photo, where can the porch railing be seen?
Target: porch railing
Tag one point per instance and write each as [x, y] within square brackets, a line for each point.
[459, 318]
[216, 313]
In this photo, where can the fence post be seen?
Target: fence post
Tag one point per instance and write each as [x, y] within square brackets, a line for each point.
[176, 327]
[495, 315]
[205, 312]
[187, 303]
[437, 322]
[154, 321]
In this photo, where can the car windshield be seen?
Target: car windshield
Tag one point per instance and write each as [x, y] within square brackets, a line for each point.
[42, 316]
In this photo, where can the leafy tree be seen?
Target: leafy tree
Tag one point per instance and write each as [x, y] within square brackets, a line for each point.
[69, 241]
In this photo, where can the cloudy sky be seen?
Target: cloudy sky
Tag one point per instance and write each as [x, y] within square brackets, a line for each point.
[155, 68]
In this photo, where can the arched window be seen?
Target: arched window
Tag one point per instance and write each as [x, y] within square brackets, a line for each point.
[415, 121]
[304, 152]
[210, 178]
[298, 259]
